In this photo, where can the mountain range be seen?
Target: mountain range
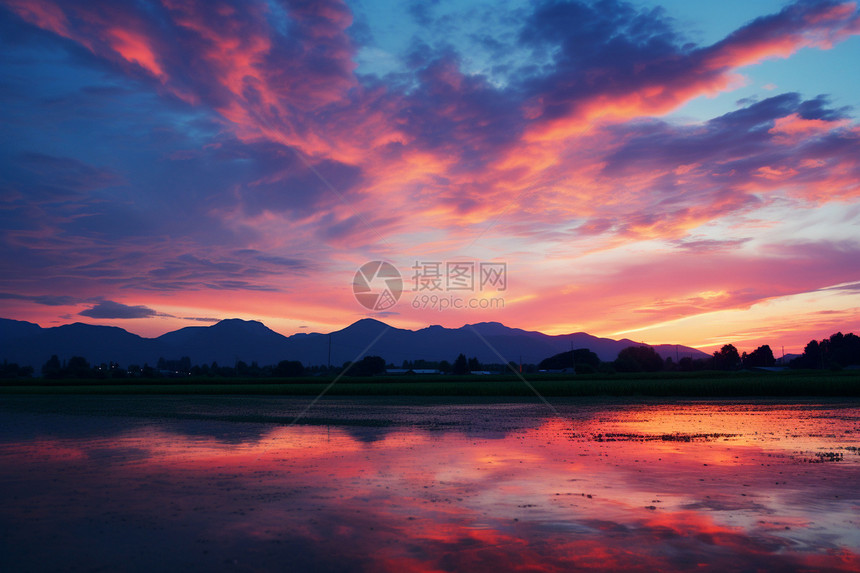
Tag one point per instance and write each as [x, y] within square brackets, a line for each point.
[231, 340]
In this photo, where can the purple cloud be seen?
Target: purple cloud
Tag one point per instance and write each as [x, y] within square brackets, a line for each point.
[110, 309]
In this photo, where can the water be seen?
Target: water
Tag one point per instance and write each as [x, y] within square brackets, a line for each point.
[225, 483]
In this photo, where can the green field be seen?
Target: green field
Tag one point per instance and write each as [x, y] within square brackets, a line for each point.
[680, 384]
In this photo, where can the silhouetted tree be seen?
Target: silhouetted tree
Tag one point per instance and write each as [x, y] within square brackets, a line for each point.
[838, 351]
[10, 370]
[52, 368]
[811, 357]
[584, 361]
[461, 366]
[288, 369]
[638, 359]
[242, 368]
[474, 365]
[727, 358]
[367, 366]
[760, 357]
[77, 367]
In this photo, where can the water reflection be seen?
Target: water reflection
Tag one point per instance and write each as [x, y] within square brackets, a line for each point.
[410, 487]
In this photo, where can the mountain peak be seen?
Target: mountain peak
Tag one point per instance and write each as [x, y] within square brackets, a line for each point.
[238, 326]
[232, 322]
[86, 327]
[489, 324]
[368, 321]
[365, 323]
[10, 329]
[492, 328]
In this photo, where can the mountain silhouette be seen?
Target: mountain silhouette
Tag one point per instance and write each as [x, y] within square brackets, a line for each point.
[231, 340]
[225, 342]
[16, 329]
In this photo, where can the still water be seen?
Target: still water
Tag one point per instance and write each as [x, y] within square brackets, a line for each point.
[227, 484]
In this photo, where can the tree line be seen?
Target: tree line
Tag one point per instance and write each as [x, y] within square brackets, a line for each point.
[77, 367]
[838, 351]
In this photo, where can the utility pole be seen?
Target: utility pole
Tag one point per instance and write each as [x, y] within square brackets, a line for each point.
[329, 350]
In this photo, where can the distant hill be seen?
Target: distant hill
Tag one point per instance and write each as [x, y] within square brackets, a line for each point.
[231, 340]
[30, 346]
[227, 342]
[16, 329]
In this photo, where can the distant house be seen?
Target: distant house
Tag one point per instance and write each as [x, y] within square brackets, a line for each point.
[402, 371]
[173, 373]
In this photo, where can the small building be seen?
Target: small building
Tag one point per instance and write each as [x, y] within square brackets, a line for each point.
[407, 371]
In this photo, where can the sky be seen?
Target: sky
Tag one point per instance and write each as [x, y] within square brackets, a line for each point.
[670, 172]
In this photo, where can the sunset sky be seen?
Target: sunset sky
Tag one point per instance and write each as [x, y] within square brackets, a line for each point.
[670, 172]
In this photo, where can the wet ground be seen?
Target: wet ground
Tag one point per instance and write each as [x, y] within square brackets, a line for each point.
[411, 484]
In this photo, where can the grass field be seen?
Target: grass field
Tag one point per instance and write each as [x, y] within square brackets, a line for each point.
[666, 384]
